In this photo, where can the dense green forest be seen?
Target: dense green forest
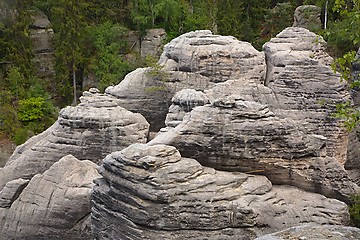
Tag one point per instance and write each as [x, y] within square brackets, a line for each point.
[90, 36]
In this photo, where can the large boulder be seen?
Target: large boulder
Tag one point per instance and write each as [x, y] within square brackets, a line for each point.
[53, 205]
[91, 130]
[196, 60]
[151, 192]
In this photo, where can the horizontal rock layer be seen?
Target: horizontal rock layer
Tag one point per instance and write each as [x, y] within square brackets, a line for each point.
[52, 205]
[91, 130]
[151, 192]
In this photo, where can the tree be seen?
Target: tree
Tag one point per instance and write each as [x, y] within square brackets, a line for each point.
[69, 22]
[106, 43]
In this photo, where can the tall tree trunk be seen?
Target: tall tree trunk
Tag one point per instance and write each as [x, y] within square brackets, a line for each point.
[74, 83]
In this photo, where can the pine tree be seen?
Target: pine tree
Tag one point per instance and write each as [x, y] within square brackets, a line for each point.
[69, 22]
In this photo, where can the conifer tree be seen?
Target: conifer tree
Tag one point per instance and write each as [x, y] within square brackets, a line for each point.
[69, 22]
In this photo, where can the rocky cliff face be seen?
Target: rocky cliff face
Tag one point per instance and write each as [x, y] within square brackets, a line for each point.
[249, 146]
[151, 192]
[89, 131]
[269, 115]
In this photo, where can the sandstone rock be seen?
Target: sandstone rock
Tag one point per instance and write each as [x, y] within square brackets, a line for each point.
[151, 192]
[151, 44]
[248, 137]
[300, 75]
[11, 192]
[42, 38]
[194, 60]
[315, 232]
[308, 16]
[54, 205]
[91, 130]
[182, 102]
[283, 129]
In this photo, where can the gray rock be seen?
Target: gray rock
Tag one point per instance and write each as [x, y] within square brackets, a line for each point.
[308, 16]
[151, 192]
[183, 102]
[301, 77]
[152, 43]
[195, 60]
[283, 130]
[250, 138]
[54, 205]
[91, 130]
[315, 232]
[11, 192]
[42, 38]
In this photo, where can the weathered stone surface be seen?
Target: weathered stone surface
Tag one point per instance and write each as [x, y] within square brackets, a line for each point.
[151, 192]
[11, 192]
[42, 38]
[194, 60]
[300, 75]
[315, 232]
[283, 129]
[152, 43]
[54, 205]
[91, 130]
[248, 137]
[182, 102]
[308, 16]
[142, 93]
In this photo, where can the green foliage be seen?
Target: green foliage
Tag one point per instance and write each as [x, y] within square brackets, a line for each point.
[350, 115]
[354, 210]
[31, 109]
[69, 22]
[108, 41]
[343, 65]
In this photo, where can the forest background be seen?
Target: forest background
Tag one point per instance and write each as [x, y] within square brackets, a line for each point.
[90, 36]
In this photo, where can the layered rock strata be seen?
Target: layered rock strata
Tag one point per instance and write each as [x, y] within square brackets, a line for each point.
[282, 128]
[91, 130]
[151, 192]
[52, 205]
[315, 232]
[196, 60]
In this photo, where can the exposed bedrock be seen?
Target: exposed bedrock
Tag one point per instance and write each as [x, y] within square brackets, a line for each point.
[196, 60]
[283, 129]
[91, 130]
[52, 205]
[43, 197]
[315, 232]
[151, 192]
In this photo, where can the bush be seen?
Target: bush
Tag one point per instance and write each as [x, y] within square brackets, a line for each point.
[354, 210]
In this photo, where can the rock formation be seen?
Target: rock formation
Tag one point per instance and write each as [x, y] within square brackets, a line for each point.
[151, 192]
[281, 127]
[270, 115]
[308, 16]
[89, 131]
[42, 37]
[53, 205]
[315, 232]
[196, 60]
[234, 111]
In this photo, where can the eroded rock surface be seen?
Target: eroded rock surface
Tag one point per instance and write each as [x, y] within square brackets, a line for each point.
[53, 205]
[283, 128]
[196, 60]
[151, 192]
[91, 130]
[308, 16]
[315, 232]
